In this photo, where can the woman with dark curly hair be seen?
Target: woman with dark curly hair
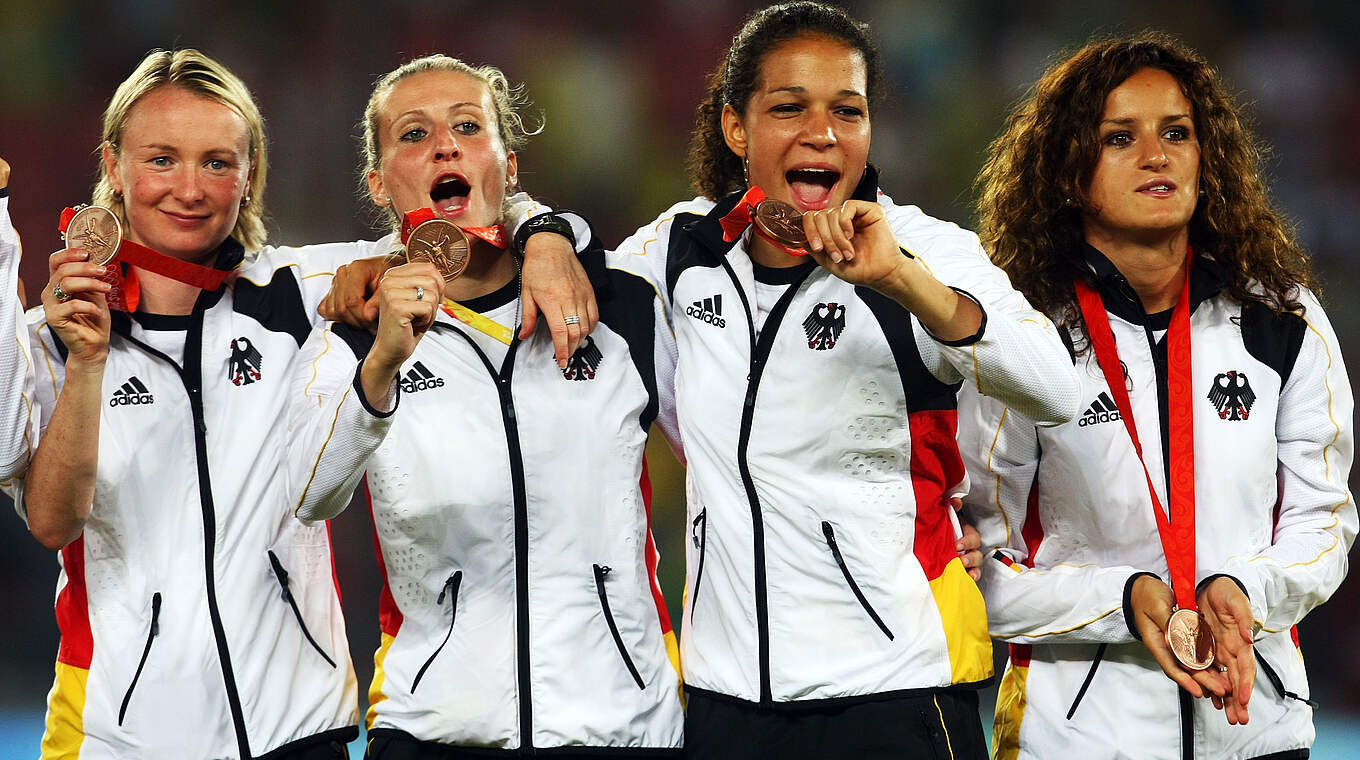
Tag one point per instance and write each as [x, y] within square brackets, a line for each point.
[1199, 503]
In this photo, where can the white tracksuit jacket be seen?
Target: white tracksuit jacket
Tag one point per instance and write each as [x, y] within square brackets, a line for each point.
[198, 617]
[1069, 508]
[520, 609]
[18, 423]
[821, 456]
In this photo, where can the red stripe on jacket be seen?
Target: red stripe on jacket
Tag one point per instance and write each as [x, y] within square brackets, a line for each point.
[936, 467]
[73, 609]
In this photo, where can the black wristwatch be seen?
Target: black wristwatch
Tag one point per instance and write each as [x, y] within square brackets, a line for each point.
[548, 222]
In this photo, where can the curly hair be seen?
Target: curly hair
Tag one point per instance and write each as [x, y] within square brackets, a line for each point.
[1037, 174]
[195, 72]
[510, 101]
[713, 169]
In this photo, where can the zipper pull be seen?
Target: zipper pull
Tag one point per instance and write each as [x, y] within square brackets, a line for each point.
[279, 573]
[156, 614]
[443, 592]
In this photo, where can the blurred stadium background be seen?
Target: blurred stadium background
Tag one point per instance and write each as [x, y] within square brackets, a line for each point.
[618, 83]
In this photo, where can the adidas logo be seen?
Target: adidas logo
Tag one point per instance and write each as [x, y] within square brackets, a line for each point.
[133, 392]
[1103, 409]
[708, 310]
[420, 379]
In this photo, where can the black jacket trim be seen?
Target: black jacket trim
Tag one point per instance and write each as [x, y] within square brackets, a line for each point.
[1202, 584]
[274, 305]
[1128, 608]
[1120, 299]
[798, 705]
[922, 390]
[971, 339]
[363, 397]
[343, 735]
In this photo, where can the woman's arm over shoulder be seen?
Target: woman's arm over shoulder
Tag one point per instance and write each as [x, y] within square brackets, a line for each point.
[1317, 522]
[646, 252]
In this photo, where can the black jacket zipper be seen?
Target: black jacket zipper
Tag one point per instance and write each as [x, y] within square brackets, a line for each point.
[450, 589]
[191, 375]
[830, 534]
[1086, 684]
[151, 634]
[760, 351]
[600, 572]
[282, 576]
[699, 535]
[507, 401]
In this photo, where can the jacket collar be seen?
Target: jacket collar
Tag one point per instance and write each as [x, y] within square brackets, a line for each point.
[708, 232]
[1206, 281]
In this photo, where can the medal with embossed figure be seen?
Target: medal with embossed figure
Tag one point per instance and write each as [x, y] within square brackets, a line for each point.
[441, 243]
[96, 231]
[782, 223]
[1190, 640]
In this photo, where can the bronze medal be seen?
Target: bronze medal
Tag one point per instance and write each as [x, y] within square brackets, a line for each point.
[1190, 639]
[781, 222]
[441, 243]
[96, 231]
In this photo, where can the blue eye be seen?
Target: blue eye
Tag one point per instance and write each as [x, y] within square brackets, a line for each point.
[160, 161]
[414, 134]
[217, 164]
[467, 128]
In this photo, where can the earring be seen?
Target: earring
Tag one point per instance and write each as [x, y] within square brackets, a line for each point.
[746, 170]
[118, 194]
[245, 200]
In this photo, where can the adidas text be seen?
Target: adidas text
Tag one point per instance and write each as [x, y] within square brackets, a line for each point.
[1094, 418]
[708, 310]
[420, 378]
[132, 393]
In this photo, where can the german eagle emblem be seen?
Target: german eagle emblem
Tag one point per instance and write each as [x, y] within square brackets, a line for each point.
[1232, 395]
[243, 368]
[824, 325]
[583, 363]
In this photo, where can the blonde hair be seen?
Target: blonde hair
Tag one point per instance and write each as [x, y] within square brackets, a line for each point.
[193, 71]
[509, 99]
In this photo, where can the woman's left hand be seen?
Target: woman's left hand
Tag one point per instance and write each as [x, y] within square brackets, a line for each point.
[969, 545]
[555, 284]
[1228, 614]
[854, 242]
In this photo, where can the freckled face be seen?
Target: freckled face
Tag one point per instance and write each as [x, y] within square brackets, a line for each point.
[1146, 180]
[182, 167]
[441, 148]
[805, 131]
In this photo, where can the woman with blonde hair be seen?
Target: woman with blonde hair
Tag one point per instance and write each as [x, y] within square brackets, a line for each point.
[1162, 546]
[520, 613]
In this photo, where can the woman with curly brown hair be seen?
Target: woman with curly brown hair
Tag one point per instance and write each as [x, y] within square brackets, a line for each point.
[1199, 503]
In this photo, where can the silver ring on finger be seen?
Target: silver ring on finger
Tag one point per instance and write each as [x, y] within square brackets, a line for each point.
[1223, 668]
[420, 292]
[59, 293]
[571, 319]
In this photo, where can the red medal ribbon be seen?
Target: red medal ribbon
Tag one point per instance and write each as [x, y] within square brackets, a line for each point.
[126, 291]
[1177, 531]
[495, 234]
[739, 218]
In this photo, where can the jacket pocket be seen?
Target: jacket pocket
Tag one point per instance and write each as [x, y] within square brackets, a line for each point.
[151, 634]
[1273, 676]
[830, 534]
[698, 533]
[282, 576]
[1086, 684]
[600, 572]
[450, 590]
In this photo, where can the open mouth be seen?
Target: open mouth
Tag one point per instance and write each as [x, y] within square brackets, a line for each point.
[450, 193]
[811, 188]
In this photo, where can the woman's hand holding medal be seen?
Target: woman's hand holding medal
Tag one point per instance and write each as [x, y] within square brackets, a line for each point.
[74, 300]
